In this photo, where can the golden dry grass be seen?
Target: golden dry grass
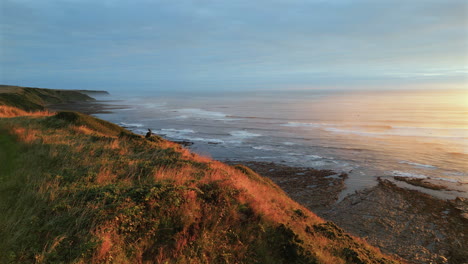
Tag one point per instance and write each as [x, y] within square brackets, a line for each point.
[83, 130]
[105, 176]
[9, 111]
[26, 135]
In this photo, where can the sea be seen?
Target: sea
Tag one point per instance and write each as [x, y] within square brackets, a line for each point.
[366, 134]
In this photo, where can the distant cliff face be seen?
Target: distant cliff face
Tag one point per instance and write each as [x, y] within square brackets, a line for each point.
[77, 189]
[37, 99]
[93, 92]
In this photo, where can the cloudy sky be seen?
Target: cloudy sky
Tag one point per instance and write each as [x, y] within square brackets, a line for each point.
[234, 45]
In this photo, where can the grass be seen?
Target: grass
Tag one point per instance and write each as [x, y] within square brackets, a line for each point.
[33, 99]
[9, 111]
[77, 189]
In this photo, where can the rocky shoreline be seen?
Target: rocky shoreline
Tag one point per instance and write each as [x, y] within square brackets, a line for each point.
[317, 189]
[412, 225]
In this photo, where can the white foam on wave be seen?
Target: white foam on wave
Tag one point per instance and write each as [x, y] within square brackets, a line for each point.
[289, 143]
[308, 157]
[314, 156]
[446, 179]
[409, 174]
[303, 155]
[209, 140]
[188, 134]
[130, 124]
[179, 131]
[263, 148]
[422, 176]
[243, 134]
[419, 165]
[317, 163]
[176, 133]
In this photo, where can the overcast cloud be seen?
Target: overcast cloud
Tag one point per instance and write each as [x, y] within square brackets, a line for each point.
[226, 45]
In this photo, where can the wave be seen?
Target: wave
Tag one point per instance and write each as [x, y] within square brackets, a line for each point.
[409, 174]
[209, 140]
[385, 130]
[189, 134]
[130, 125]
[421, 176]
[175, 133]
[180, 131]
[192, 135]
[243, 134]
[426, 166]
[268, 148]
[448, 180]
[314, 156]
[454, 173]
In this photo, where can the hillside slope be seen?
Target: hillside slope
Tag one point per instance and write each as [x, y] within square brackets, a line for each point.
[76, 189]
[31, 99]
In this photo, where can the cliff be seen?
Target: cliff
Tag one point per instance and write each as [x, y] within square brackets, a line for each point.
[77, 189]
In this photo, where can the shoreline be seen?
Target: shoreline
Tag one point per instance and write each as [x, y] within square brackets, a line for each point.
[413, 225]
[318, 189]
[400, 221]
[89, 108]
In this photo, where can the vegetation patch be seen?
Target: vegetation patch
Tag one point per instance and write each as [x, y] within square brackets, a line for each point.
[34, 99]
[93, 123]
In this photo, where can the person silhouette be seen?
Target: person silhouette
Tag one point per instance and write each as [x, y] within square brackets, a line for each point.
[148, 135]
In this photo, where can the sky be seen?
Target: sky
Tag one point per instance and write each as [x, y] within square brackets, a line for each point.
[234, 45]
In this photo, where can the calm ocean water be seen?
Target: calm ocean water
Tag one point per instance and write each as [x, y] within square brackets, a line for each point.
[366, 134]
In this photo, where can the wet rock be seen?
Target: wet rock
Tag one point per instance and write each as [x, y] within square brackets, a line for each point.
[407, 223]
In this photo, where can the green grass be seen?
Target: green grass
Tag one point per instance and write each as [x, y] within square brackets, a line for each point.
[78, 119]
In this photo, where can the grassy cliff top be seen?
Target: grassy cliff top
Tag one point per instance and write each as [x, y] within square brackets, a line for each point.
[31, 99]
[76, 189]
